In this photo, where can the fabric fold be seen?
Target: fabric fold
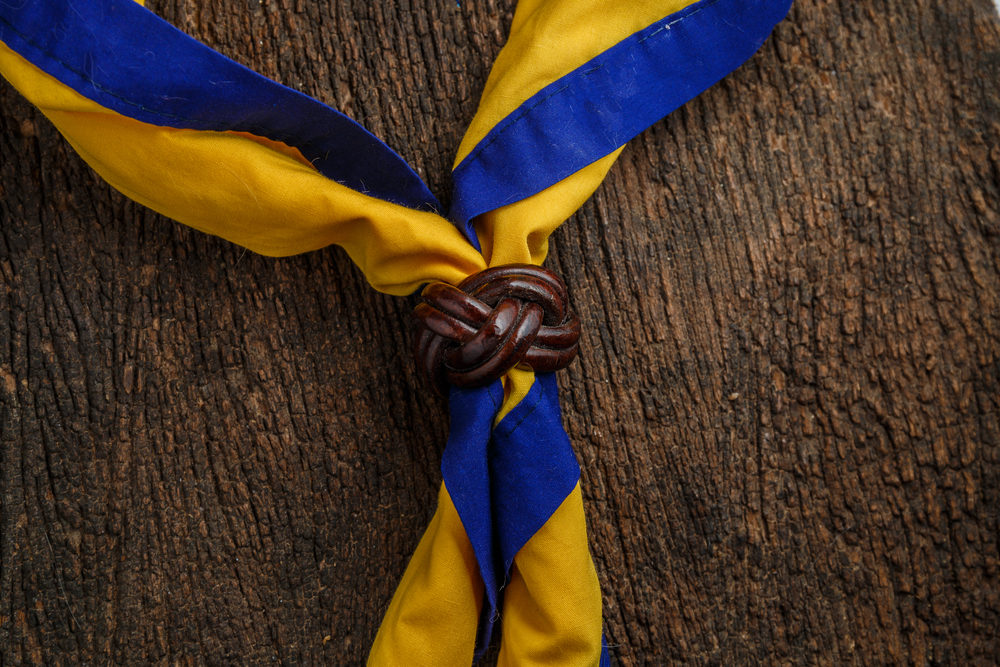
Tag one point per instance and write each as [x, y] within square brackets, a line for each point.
[506, 481]
[255, 192]
[432, 618]
[126, 59]
[591, 95]
[552, 603]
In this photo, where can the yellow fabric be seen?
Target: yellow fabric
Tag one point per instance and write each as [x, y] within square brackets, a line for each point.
[547, 40]
[517, 383]
[433, 616]
[552, 604]
[519, 232]
[550, 38]
[246, 191]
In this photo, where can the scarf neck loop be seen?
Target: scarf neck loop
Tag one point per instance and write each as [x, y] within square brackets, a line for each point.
[193, 135]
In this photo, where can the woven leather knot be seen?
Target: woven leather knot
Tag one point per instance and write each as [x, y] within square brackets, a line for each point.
[472, 334]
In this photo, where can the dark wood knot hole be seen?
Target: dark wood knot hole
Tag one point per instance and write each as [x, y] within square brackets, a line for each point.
[502, 317]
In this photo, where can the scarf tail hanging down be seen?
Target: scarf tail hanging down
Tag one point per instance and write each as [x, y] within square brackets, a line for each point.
[184, 130]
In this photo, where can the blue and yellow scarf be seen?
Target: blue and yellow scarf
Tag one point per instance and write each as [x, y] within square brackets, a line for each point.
[201, 139]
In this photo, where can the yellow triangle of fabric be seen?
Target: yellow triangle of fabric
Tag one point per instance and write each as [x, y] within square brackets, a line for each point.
[433, 616]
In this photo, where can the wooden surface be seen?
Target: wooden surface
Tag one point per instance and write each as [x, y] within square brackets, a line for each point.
[787, 406]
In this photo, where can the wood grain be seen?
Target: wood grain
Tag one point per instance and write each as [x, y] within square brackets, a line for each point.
[787, 404]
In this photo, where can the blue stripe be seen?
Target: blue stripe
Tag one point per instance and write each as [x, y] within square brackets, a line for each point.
[127, 59]
[532, 467]
[505, 486]
[599, 106]
[466, 473]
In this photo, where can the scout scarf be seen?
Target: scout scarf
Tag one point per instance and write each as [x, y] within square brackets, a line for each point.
[191, 134]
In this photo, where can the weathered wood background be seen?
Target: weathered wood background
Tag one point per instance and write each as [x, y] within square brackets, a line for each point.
[787, 407]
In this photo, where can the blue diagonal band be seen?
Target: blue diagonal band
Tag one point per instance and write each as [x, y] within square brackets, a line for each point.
[598, 107]
[127, 59]
[505, 486]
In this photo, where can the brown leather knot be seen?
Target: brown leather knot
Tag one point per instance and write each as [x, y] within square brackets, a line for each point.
[472, 334]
